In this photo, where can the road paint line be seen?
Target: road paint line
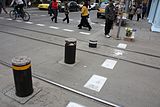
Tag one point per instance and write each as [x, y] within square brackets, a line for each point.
[43, 15]
[8, 19]
[40, 24]
[72, 104]
[1, 17]
[53, 27]
[122, 45]
[71, 19]
[84, 33]
[102, 24]
[68, 30]
[108, 63]
[29, 22]
[95, 83]
[18, 20]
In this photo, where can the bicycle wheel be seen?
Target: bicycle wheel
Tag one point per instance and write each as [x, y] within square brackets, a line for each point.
[26, 16]
[13, 14]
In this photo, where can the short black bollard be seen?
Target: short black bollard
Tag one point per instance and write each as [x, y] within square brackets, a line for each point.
[93, 43]
[70, 51]
[21, 66]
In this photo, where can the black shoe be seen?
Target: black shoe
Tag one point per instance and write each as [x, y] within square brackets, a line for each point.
[89, 29]
[52, 19]
[79, 27]
[55, 22]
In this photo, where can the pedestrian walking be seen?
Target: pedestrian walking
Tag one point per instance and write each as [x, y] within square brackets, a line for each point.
[84, 17]
[144, 9]
[110, 17]
[66, 12]
[2, 7]
[132, 12]
[138, 12]
[54, 7]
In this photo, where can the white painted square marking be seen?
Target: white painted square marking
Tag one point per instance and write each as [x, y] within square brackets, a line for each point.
[122, 45]
[52, 27]
[95, 83]
[118, 52]
[19, 20]
[84, 33]
[108, 63]
[29, 22]
[68, 30]
[40, 24]
[72, 104]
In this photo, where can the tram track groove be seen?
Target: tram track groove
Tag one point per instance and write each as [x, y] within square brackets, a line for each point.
[83, 50]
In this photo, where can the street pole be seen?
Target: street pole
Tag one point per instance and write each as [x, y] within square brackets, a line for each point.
[120, 20]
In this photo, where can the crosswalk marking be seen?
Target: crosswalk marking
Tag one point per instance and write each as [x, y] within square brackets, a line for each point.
[29, 22]
[68, 30]
[40, 24]
[19, 20]
[84, 33]
[53, 27]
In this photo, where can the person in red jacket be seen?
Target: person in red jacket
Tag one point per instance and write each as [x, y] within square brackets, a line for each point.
[54, 7]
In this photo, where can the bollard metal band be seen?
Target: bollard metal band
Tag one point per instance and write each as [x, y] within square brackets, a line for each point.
[18, 68]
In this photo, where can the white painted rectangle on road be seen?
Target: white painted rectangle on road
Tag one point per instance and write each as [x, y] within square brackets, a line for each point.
[29, 22]
[40, 24]
[8, 19]
[19, 20]
[122, 45]
[53, 27]
[72, 104]
[108, 63]
[68, 30]
[95, 83]
[84, 33]
[102, 24]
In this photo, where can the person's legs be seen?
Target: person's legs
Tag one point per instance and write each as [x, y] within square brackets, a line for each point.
[81, 23]
[67, 17]
[0, 8]
[108, 26]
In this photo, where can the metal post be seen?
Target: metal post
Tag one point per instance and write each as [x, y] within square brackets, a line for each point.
[119, 26]
[70, 51]
[22, 76]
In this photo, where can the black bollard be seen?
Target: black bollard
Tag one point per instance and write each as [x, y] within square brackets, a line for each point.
[93, 43]
[70, 51]
[22, 76]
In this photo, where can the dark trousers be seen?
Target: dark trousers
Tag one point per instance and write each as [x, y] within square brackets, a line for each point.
[138, 16]
[143, 14]
[2, 7]
[108, 26]
[84, 22]
[55, 14]
[130, 16]
[66, 18]
[19, 9]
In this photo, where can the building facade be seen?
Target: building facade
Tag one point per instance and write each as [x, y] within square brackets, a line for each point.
[154, 15]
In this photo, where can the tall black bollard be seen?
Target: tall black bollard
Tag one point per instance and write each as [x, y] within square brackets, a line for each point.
[70, 51]
[21, 66]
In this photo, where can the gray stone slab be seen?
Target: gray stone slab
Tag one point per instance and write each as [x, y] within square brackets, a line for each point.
[21, 100]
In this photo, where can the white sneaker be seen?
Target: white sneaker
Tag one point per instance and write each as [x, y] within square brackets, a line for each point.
[108, 36]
